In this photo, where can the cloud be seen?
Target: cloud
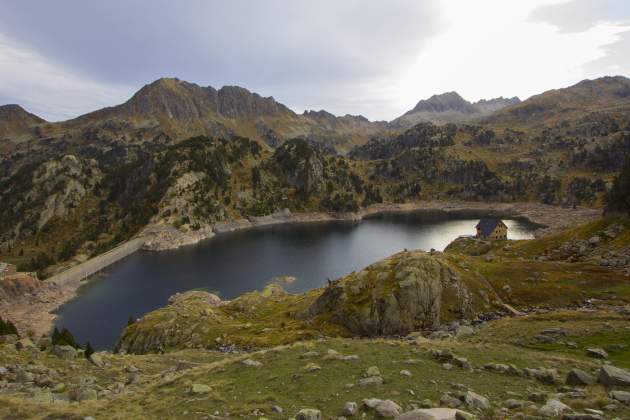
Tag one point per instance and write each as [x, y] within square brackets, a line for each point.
[571, 16]
[306, 54]
[491, 48]
[48, 89]
[585, 15]
[377, 58]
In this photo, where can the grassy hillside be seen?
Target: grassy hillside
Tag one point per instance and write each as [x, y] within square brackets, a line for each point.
[271, 354]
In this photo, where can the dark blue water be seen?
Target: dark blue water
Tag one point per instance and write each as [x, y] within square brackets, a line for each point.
[234, 263]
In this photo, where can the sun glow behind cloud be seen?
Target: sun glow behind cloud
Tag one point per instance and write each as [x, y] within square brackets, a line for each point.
[492, 48]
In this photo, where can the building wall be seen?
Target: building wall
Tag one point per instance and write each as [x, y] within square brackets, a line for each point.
[500, 232]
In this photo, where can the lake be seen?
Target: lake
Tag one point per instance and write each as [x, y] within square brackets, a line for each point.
[234, 263]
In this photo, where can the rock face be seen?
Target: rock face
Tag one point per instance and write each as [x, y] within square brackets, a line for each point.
[301, 164]
[614, 376]
[59, 185]
[16, 285]
[184, 101]
[621, 396]
[579, 377]
[553, 408]
[404, 293]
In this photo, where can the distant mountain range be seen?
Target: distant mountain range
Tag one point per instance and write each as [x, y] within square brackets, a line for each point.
[183, 109]
[173, 109]
[178, 109]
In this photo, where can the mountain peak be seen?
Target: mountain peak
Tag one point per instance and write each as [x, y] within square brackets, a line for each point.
[184, 101]
[448, 101]
[12, 112]
[15, 121]
[450, 107]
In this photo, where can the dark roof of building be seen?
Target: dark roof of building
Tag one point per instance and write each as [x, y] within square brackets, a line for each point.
[487, 225]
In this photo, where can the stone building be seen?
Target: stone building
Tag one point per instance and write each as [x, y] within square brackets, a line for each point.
[491, 228]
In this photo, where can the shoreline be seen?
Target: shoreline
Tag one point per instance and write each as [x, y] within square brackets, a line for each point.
[549, 219]
[35, 312]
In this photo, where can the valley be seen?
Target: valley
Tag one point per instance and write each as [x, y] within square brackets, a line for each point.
[74, 189]
[411, 320]
[488, 339]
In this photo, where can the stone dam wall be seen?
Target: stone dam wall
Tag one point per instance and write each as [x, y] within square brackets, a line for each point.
[93, 265]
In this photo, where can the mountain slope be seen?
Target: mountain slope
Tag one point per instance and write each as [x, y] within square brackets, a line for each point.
[16, 122]
[450, 107]
[606, 94]
[173, 110]
[184, 101]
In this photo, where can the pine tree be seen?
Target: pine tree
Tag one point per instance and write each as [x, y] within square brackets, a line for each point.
[68, 338]
[64, 338]
[618, 199]
[88, 350]
[12, 328]
[7, 327]
[56, 336]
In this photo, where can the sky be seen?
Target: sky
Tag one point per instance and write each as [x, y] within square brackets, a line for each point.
[63, 58]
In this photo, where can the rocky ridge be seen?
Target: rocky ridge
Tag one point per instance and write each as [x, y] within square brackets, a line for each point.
[450, 107]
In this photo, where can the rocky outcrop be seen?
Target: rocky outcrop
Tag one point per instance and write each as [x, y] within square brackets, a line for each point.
[613, 376]
[63, 181]
[17, 285]
[198, 319]
[162, 237]
[301, 164]
[404, 293]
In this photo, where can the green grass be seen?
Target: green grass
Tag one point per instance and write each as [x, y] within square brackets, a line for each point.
[283, 381]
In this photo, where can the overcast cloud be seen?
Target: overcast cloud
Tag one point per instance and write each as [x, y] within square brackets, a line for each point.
[377, 58]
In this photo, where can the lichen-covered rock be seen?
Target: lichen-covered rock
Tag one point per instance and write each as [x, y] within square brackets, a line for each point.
[579, 377]
[302, 165]
[308, 414]
[553, 408]
[350, 409]
[199, 389]
[404, 293]
[614, 376]
[64, 352]
[435, 414]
